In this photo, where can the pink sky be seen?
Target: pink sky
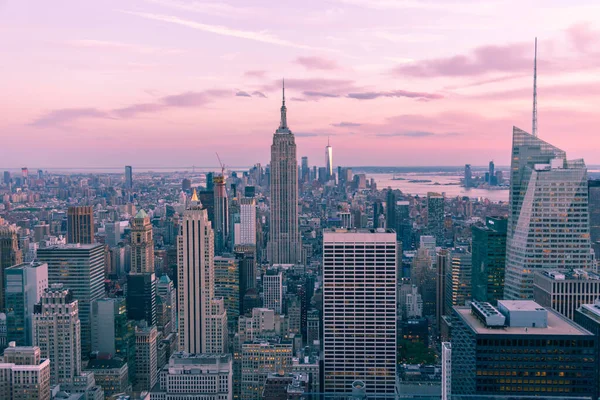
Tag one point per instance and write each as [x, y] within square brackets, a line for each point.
[392, 82]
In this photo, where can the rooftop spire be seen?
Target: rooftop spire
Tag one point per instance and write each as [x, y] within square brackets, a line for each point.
[283, 124]
[534, 117]
[195, 196]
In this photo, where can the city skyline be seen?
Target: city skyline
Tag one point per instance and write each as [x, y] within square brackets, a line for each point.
[386, 94]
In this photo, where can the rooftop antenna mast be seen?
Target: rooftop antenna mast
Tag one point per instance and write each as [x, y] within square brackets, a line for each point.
[534, 128]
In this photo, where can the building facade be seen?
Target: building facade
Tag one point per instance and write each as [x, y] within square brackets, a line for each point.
[80, 224]
[24, 374]
[10, 254]
[489, 260]
[142, 244]
[273, 290]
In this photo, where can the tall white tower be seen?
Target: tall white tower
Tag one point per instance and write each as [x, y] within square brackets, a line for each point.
[329, 160]
[202, 319]
[285, 245]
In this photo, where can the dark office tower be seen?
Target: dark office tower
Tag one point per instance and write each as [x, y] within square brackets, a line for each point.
[520, 348]
[404, 224]
[468, 176]
[435, 216]
[80, 225]
[285, 244]
[221, 221]
[6, 177]
[207, 199]
[249, 191]
[80, 268]
[128, 177]
[210, 181]
[305, 170]
[186, 185]
[594, 210]
[142, 244]
[10, 254]
[391, 218]
[489, 259]
[444, 262]
[492, 173]
[548, 225]
[377, 211]
[141, 297]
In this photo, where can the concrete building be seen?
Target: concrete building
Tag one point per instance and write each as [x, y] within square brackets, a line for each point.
[112, 375]
[80, 225]
[285, 245]
[435, 217]
[458, 279]
[548, 222]
[24, 374]
[142, 244]
[520, 348]
[273, 290]
[258, 360]
[24, 286]
[141, 297]
[195, 376]
[247, 226]
[359, 309]
[227, 278]
[79, 268]
[146, 360]
[10, 254]
[221, 221]
[565, 290]
[165, 289]
[446, 371]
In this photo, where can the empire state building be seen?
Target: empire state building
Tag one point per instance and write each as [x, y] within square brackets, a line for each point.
[285, 245]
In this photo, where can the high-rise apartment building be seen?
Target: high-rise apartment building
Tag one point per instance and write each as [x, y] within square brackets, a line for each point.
[458, 279]
[24, 374]
[489, 259]
[80, 268]
[10, 254]
[195, 376]
[128, 177]
[435, 216]
[359, 310]
[142, 244]
[548, 222]
[285, 243]
[328, 161]
[221, 221]
[57, 332]
[141, 297]
[247, 225]
[80, 224]
[202, 318]
[565, 290]
[258, 360]
[25, 284]
[273, 290]
[520, 349]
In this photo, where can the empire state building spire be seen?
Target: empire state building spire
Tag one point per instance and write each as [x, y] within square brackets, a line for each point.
[283, 128]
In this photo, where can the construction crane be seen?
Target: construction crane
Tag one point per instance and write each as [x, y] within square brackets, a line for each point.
[221, 164]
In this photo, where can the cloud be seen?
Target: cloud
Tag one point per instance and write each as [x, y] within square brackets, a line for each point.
[241, 93]
[582, 37]
[310, 93]
[395, 93]
[318, 63]
[258, 36]
[182, 100]
[255, 74]
[216, 9]
[508, 58]
[346, 124]
[298, 99]
[416, 134]
[259, 94]
[106, 44]
[306, 134]
[325, 85]
[64, 115]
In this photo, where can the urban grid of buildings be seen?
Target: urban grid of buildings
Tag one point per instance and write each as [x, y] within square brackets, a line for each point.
[288, 281]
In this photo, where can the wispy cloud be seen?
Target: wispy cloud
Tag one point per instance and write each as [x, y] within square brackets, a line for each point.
[344, 124]
[318, 63]
[395, 93]
[465, 7]
[259, 94]
[310, 93]
[262, 37]
[416, 134]
[107, 44]
[210, 8]
[255, 74]
[63, 115]
[241, 93]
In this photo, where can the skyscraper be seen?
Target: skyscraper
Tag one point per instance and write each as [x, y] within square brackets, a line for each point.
[489, 260]
[80, 224]
[594, 210]
[391, 218]
[227, 286]
[285, 245]
[25, 284]
[10, 254]
[221, 221]
[80, 268]
[435, 216]
[57, 332]
[305, 170]
[273, 290]
[247, 230]
[328, 161]
[548, 222]
[165, 289]
[492, 173]
[359, 316]
[458, 279]
[128, 177]
[141, 297]
[468, 176]
[202, 319]
[142, 244]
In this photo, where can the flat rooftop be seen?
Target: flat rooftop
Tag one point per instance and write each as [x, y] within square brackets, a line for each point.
[521, 305]
[557, 325]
